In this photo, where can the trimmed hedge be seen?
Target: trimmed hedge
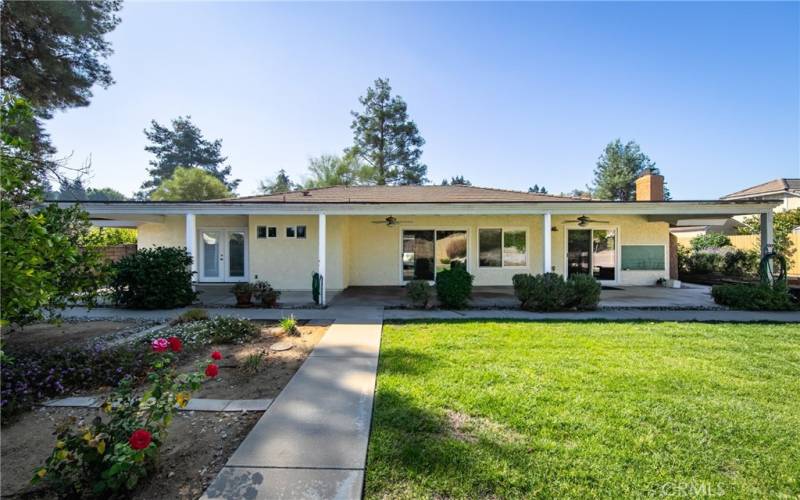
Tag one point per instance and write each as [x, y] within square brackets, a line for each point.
[157, 278]
[454, 287]
[754, 297]
[549, 292]
[419, 292]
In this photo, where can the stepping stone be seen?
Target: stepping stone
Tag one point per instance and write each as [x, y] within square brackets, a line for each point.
[206, 404]
[78, 402]
[281, 346]
[249, 405]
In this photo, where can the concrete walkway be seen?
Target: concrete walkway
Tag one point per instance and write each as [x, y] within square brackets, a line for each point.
[312, 441]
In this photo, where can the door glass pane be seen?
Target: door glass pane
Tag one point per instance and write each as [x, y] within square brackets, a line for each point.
[514, 249]
[490, 244]
[236, 255]
[451, 249]
[210, 254]
[579, 247]
[604, 254]
[417, 255]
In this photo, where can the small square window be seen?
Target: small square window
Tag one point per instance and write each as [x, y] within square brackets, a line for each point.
[290, 232]
[261, 232]
[272, 232]
[301, 232]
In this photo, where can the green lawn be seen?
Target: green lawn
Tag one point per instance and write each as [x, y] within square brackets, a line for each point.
[514, 409]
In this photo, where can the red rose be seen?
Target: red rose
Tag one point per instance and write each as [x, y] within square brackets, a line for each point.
[212, 370]
[216, 355]
[140, 439]
[175, 344]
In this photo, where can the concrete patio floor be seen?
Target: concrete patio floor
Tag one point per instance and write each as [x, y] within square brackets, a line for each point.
[688, 297]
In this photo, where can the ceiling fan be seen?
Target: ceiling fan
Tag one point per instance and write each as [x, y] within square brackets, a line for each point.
[391, 221]
[583, 220]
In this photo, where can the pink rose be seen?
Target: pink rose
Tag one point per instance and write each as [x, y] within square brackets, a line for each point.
[160, 345]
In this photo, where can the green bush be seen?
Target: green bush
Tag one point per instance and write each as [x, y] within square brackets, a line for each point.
[157, 278]
[741, 263]
[454, 287]
[419, 292]
[584, 292]
[549, 292]
[710, 240]
[754, 297]
[190, 316]
[265, 294]
[230, 330]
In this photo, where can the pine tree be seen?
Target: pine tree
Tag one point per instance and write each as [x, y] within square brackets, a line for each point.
[617, 170]
[386, 139]
[280, 184]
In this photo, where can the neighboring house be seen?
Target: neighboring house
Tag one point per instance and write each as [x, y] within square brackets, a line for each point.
[389, 235]
[786, 190]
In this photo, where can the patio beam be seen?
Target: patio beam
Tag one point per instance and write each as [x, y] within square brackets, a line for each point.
[321, 258]
[191, 242]
[547, 223]
[767, 233]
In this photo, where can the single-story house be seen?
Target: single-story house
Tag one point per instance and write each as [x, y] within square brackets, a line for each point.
[389, 235]
[787, 191]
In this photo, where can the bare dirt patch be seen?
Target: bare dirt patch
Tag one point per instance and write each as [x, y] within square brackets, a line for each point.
[67, 333]
[469, 429]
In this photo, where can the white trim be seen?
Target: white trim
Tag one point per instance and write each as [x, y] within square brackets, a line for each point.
[224, 276]
[191, 244]
[321, 255]
[547, 243]
[403, 282]
[503, 230]
[599, 227]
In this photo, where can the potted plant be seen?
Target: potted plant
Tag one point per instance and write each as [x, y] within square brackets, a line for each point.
[243, 293]
[265, 294]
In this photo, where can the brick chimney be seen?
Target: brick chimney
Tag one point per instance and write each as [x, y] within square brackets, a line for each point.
[650, 187]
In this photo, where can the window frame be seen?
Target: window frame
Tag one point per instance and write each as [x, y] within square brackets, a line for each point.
[258, 232]
[503, 230]
[274, 229]
[297, 232]
[294, 232]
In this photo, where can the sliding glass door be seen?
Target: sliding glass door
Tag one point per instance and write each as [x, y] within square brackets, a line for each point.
[592, 251]
[426, 252]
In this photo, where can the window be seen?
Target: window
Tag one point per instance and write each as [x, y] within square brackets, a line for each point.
[290, 233]
[301, 232]
[272, 232]
[502, 248]
[261, 232]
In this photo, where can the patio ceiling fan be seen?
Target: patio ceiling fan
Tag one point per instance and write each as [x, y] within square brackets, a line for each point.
[391, 221]
[583, 220]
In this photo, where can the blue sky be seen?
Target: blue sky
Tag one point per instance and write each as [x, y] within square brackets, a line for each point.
[508, 95]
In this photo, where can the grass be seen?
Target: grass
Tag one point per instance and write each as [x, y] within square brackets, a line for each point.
[515, 409]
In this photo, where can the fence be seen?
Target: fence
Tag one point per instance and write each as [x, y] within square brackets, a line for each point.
[753, 242]
[114, 253]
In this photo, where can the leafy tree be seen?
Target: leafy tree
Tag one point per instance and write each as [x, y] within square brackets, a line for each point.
[183, 145]
[190, 184]
[709, 240]
[783, 224]
[537, 189]
[108, 236]
[332, 170]
[386, 139]
[617, 170]
[579, 193]
[458, 180]
[280, 184]
[104, 194]
[46, 260]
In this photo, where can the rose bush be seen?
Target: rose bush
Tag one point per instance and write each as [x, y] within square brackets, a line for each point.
[120, 446]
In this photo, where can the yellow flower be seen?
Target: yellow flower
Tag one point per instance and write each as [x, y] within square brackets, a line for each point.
[107, 407]
[87, 436]
[182, 398]
[60, 444]
[101, 447]
[41, 472]
[62, 454]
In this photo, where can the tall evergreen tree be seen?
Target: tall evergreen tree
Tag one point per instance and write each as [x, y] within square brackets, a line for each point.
[183, 145]
[386, 139]
[280, 184]
[617, 170]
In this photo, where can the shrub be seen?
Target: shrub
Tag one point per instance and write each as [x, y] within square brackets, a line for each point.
[754, 297]
[190, 316]
[454, 287]
[265, 294]
[111, 455]
[703, 263]
[157, 278]
[254, 362]
[542, 292]
[289, 325]
[584, 292]
[419, 292]
[741, 263]
[710, 240]
[230, 330]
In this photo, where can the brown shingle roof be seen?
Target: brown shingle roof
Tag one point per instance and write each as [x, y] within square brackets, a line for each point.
[773, 186]
[403, 194]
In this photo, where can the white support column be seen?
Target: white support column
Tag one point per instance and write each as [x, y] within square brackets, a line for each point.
[321, 258]
[547, 252]
[191, 242]
[767, 235]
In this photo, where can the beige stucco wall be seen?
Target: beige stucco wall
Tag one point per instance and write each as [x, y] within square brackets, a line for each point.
[361, 253]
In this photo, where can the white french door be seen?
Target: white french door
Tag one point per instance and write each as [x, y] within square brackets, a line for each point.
[223, 255]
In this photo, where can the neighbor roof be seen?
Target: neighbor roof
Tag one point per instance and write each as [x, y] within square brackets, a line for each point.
[403, 194]
[774, 186]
